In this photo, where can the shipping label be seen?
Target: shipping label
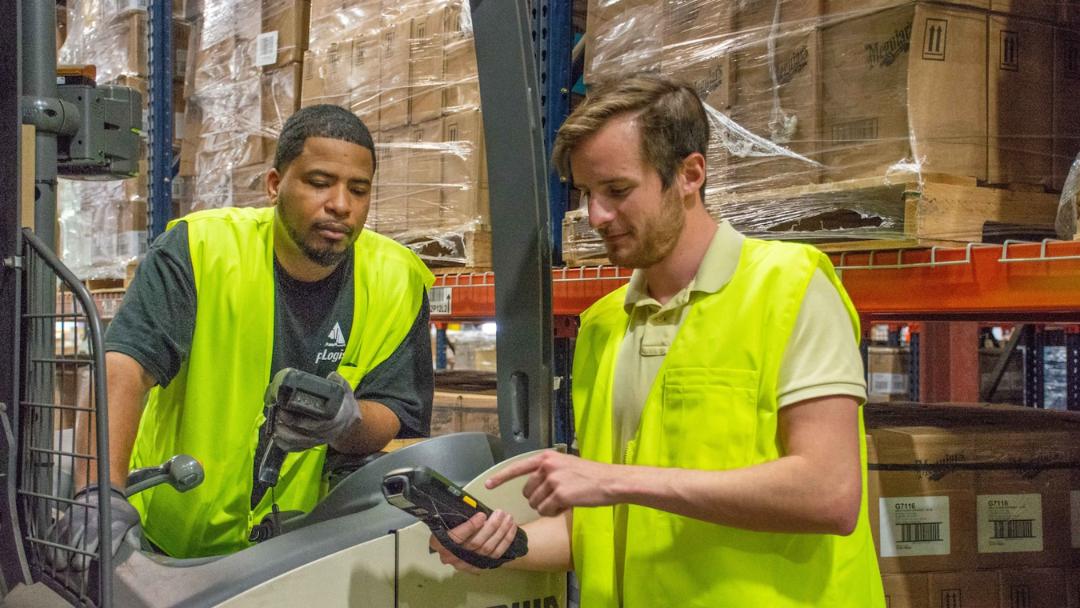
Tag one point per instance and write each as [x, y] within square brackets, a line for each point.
[915, 525]
[266, 48]
[888, 384]
[1009, 523]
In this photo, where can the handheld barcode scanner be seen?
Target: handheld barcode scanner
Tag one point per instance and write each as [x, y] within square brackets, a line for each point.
[441, 505]
[300, 393]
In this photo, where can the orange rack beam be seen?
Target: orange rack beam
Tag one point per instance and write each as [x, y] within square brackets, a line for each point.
[1014, 281]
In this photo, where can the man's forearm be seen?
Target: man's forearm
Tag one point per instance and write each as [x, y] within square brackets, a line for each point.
[549, 545]
[376, 427]
[127, 384]
[784, 495]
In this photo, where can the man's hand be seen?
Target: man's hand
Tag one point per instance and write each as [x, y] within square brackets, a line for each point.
[487, 537]
[558, 482]
[78, 526]
[296, 432]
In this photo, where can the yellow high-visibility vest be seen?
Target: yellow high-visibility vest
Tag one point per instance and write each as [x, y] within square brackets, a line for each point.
[713, 406]
[213, 408]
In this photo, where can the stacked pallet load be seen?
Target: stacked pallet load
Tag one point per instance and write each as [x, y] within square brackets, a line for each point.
[890, 123]
[103, 223]
[980, 507]
[244, 73]
[408, 70]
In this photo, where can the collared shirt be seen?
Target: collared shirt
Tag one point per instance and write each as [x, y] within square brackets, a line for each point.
[822, 357]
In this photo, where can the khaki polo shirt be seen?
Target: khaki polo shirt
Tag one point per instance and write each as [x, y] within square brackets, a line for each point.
[822, 357]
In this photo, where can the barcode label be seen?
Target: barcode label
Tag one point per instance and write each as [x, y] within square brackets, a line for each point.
[440, 300]
[1009, 523]
[266, 48]
[920, 533]
[914, 525]
[855, 131]
[888, 384]
[1013, 528]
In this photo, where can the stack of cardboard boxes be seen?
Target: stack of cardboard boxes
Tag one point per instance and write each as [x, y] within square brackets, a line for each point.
[103, 224]
[980, 507]
[409, 71]
[244, 74]
[827, 91]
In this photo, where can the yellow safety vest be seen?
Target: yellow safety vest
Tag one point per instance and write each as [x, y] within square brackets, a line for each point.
[712, 406]
[213, 408]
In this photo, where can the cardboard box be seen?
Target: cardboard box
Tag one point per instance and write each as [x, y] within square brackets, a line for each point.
[694, 36]
[1023, 513]
[840, 8]
[425, 181]
[181, 41]
[134, 34]
[1020, 101]
[426, 64]
[465, 197]
[394, 73]
[284, 33]
[249, 187]
[888, 374]
[776, 92]
[906, 590]
[364, 78]
[313, 83]
[190, 142]
[1066, 92]
[1035, 9]
[903, 84]
[922, 520]
[963, 589]
[392, 175]
[1032, 588]
[622, 37]
[456, 412]
[462, 83]
[280, 97]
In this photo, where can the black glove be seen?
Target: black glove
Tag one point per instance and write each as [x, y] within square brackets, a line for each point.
[78, 527]
[296, 432]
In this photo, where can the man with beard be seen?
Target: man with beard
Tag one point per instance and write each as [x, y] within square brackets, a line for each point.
[716, 397]
[225, 299]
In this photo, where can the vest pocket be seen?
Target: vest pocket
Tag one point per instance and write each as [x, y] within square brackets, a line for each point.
[709, 417]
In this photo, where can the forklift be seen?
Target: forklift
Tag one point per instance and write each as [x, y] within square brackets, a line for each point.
[354, 548]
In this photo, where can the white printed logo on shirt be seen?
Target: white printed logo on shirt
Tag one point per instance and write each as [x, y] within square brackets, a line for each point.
[334, 349]
[336, 338]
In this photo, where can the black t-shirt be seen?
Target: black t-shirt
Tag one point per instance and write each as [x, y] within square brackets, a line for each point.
[312, 321]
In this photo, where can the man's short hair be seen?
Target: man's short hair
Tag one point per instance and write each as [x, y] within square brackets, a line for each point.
[672, 118]
[321, 120]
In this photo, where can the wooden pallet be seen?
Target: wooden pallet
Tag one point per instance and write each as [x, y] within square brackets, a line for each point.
[453, 252]
[938, 210]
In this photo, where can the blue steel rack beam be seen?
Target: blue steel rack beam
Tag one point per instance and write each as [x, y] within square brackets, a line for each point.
[161, 116]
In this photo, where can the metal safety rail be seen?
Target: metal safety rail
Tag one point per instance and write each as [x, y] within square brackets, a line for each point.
[63, 427]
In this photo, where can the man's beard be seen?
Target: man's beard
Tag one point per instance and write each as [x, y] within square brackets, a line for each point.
[657, 237]
[323, 257]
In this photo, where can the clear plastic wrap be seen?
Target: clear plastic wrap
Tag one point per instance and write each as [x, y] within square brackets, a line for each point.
[408, 70]
[103, 223]
[243, 82]
[845, 120]
[1070, 200]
